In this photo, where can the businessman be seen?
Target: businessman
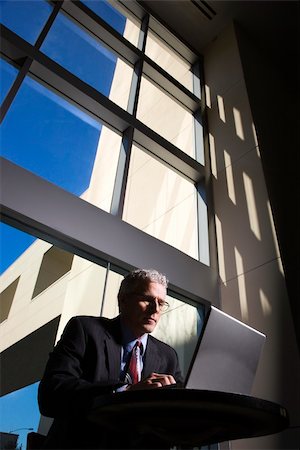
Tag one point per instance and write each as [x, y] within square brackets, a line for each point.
[102, 357]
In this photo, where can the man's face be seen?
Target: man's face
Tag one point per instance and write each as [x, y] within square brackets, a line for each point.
[140, 311]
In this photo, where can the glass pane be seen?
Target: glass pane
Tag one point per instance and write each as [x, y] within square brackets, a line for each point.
[165, 116]
[25, 18]
[124, 25]
[86, 57]
[43, 283]
[161, 203]
[180, 327]
[13, 243]
[84, 292]
[110, 304]
[59, 142]
[169, 60]
[8, 74]
[19, 414]
[108, 13]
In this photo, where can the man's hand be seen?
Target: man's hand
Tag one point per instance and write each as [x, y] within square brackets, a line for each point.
[155, 380]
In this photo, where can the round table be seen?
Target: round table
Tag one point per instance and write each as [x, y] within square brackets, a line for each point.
[189, 417]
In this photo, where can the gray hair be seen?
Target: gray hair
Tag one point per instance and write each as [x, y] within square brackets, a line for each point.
[139, 279]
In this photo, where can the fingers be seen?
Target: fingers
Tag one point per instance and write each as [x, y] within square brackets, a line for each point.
[163, 379]
[155, 380]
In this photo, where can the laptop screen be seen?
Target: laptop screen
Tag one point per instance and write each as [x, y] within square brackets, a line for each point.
[227, 355]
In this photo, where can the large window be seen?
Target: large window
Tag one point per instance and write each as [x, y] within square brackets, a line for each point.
[62, 120]
[103, 170]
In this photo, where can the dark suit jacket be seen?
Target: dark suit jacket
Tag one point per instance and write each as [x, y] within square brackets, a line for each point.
[85, 364]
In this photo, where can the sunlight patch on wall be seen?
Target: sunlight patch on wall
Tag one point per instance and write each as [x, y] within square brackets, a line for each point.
[221, 255]
[275, 238]
[221, 108]
[254, 134]
[207, 96]
[257, 152]
[229, 176]
[213, 157]
[265, 304]
[241, 284]
[251, 206]
[238, 124]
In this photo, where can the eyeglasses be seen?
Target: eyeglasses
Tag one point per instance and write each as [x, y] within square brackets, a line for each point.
[148, 300]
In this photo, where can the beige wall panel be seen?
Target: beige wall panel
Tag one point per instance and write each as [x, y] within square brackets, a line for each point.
[33, 314]
[252, 283]
[166, 117]
[161, 203]
[152, 190]
[178, 227]
[84, 291]
[138, 159]
[222, 65]
[168, 60]
[132, 31]
[231, 126]
[263, 305]
[104, 171]
[178, 328]
[120, 88]
[110, 304]
[27, 314]
[33, 255]
[245, 229]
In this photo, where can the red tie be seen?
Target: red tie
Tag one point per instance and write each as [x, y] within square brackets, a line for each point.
[133, 375]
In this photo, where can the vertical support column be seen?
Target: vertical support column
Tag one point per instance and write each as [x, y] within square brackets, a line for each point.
[118, 197]
[138, 69]
[206, 185]
[203, 232]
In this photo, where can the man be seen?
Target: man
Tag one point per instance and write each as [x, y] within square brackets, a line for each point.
[94, 358]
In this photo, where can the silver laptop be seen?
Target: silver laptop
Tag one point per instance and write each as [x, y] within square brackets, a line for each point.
[226, 356]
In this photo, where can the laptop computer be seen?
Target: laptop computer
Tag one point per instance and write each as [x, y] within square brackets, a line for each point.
[226, 356]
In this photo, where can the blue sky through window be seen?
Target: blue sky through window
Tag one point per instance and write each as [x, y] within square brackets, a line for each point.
[78, 52]
[50, 137]
[8, 75]
[47, 135]
[19, 409]
[13, 243]
[104, 10]
[26, 18]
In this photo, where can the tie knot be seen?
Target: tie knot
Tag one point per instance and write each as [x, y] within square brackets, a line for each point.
[138, 345]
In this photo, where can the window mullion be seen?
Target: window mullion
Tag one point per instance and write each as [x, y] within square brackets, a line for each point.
[119, 192]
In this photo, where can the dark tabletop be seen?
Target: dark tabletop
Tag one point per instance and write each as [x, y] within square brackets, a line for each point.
[190, 417]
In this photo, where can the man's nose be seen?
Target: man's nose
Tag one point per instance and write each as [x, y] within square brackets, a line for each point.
[154, 305]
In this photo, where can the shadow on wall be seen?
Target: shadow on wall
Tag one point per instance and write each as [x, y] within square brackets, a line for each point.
[252, 282]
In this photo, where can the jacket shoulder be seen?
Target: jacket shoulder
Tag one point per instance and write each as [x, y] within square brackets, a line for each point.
[90, 323]
[162, 346]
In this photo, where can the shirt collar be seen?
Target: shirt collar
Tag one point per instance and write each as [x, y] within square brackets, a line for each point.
[128, 340]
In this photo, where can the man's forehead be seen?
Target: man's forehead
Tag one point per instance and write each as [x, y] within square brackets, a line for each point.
[155, 287]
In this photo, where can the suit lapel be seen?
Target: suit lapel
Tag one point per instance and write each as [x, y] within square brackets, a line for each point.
[113, 350]
[152, 358]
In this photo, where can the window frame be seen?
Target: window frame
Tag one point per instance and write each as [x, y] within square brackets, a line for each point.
[23, 193]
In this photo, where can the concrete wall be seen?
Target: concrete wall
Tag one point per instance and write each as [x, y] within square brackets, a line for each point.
[252, 282]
